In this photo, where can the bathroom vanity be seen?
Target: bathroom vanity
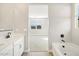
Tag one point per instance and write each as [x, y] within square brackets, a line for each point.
[6, 48]
[18, 45]
[70, 49]
[13, 46]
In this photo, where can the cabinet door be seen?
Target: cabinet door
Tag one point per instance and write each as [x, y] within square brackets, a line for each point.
[6, 16]
[19, 47]
[16, 49]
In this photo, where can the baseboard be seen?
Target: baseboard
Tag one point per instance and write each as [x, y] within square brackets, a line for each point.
[39, 50]
[50, 50]
[28, 50]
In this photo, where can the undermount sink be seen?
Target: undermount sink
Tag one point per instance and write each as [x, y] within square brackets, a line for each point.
[1, 44]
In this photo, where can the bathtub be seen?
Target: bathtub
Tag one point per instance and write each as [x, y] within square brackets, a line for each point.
[69, 49]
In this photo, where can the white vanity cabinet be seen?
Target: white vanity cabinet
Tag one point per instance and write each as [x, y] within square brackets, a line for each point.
[8, 51]
[19, 47]
[11, 47]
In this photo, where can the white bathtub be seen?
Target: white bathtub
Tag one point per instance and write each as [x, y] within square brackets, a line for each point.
[69, 50]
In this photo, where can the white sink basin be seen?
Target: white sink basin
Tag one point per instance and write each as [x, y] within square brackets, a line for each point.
[4, 43]
[1, 44]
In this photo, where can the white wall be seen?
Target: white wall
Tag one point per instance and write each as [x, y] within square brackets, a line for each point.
[14, 16]
[38, 10]
[21, 21]
[6, 16]
[60, 22]
[20, 17]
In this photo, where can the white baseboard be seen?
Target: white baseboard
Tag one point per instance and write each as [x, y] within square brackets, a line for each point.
[28, 50]
[50, 50]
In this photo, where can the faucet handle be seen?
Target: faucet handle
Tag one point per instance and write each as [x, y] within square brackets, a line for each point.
[9, 33]
[63, 41]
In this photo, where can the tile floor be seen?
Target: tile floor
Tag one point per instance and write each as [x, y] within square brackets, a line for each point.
[36, 54]
[38, 43]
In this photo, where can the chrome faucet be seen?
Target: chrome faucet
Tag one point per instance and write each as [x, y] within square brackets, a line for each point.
[63, 41]
[8, 35]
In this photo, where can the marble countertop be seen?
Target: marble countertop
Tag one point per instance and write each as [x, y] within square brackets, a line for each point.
[5, 43]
